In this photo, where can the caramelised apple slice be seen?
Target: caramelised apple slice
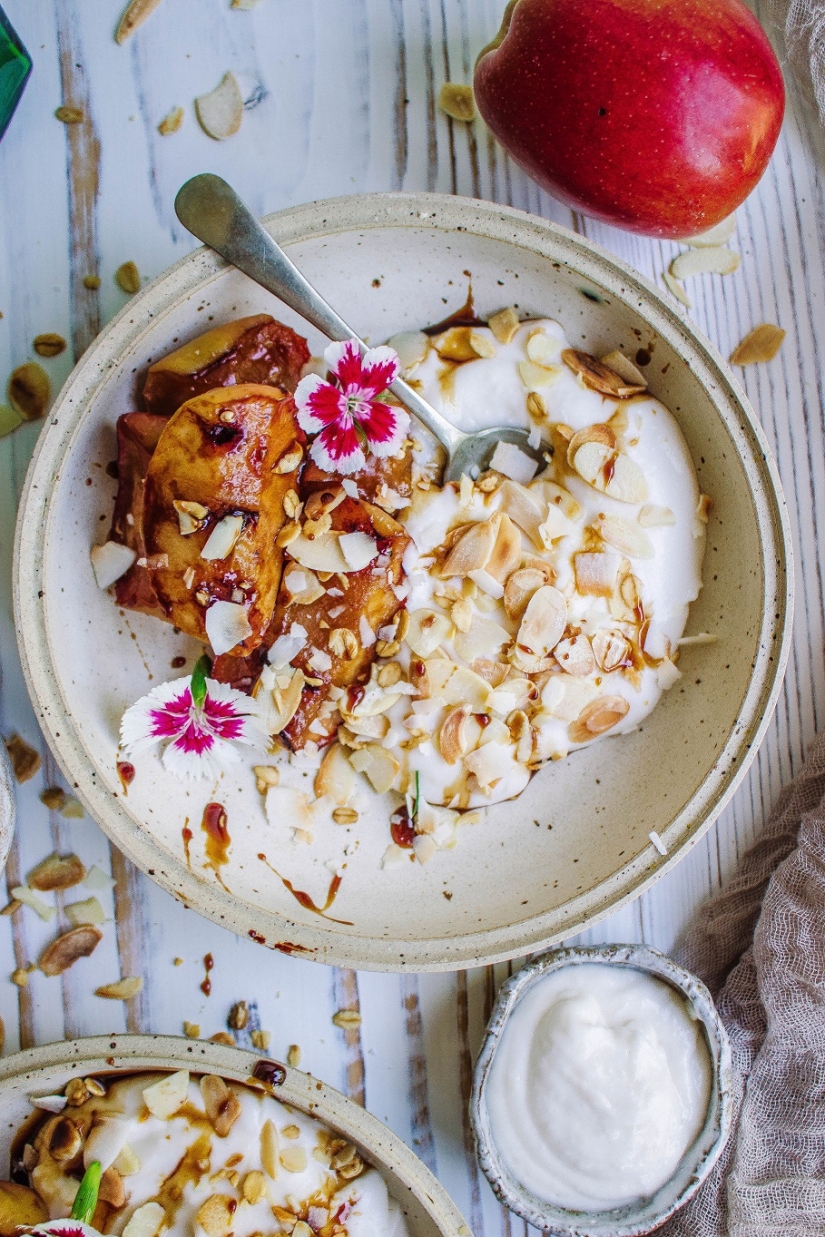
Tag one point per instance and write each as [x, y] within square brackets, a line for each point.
[138, 433]
[256, 349]
[20, 1208]
[213, 508]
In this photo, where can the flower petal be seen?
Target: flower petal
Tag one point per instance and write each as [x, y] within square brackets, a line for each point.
[148, 721]
[191, 765]
[385, 426]
[380, 367]
[338, 450]
[318, 404]
[344, 363]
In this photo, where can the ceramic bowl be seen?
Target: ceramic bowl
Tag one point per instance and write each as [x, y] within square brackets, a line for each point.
[576, 843]
[647, 1214]
[45, 1071]
[7, 806]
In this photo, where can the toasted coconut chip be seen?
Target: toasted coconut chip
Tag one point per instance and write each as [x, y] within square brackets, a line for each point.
[490, 763]
[457, 101]
[612, 650]
[379, 765]
[322, 553]
[535, 376]
[221, 111]
[558, 496]
[625, 536]
[29, 391]
[598, 376]
[524, 508]
[652, 516]
[336, 776]
[121, 989]
[575, 656]
[543, 624]
[21, 893]
[467, 688]
[412, 347]
[221, 541]
[504, 324]
[600, 434]
[506, 554]
[596, 572]
[673, 286]
[513, 463]
[715, 260]
[87, 911]
[164, 1098]
[597, 717]
[358, 549]
[227, 624]
[760, 344]
[135, 15]
[56, 872]
[618, 362]
[66, 949]
[719, 234]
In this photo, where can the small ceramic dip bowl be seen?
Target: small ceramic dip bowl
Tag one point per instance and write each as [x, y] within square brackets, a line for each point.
[643, 1214]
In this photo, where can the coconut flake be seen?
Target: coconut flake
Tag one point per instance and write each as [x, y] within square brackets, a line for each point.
[22, 893]
[366, 633]
[358, 549]
[97, 880]
[513, 463]
[349, 487]
[657, 842]
[227, 624]
[487, 583]
[320, 662]
[221, 111]
[110, 561]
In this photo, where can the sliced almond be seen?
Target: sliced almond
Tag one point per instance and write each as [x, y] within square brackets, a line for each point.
[482, 345]
[165, 1097]
[675, 287]
[593, 461]
[625, 536]
[65, 951]
[56, 872]
[627, 483]
[335, 776]
[598, 433]
[575, 656]
[135, 15]
[472, 549]
[217, 1215]
[294, 1160]
[269, 1148]
[290, 459]
[278, 706]
[191, 516]
[760, 344]
[221, 541]
[595, 572]
[719, 234]
[146, 1221]
[542, 626]
[427, 631]
[321, 553]
[541, 349]
[619, 363]
[171, 122]
[597, 717]
[504, 324]
[411, 346]
[466, 687]
[221, 111]
[456, 344]
[520, 587]
[534, 377]
[29, 391]
[457, 101]
[612, 650]
[122, 989]
[600, 377]
[653, 516]
[524, 507]
[715, 260]
[221, 1103]
[506, 552]
[379, 765]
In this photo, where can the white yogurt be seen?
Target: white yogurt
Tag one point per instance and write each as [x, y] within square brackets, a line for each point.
[599, 1085]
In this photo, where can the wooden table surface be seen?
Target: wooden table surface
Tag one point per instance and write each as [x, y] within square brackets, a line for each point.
[346, 96]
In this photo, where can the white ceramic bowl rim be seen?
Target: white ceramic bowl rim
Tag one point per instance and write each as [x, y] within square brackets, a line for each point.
[708, 1146]
[318, 940]
[34, 1071]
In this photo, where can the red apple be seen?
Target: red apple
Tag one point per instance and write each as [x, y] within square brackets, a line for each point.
[656, 115]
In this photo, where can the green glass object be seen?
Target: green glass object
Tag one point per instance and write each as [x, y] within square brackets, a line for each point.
[15, 67]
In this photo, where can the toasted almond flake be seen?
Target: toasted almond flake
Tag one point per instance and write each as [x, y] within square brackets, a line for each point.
[542, 350]
[66, 949]
[676, 289]
[87, 911]
[520, 587]
[597, 717]
[426, 632]
[269, 1149]
[56, 872]
[504, 324]
[21, 893]
[612, 650]
[452, 738]
[216, 1215]
[278, 706]
[652, 516]
[412, 347]
[127, 278]
[760, 344]
[127, 1163]
[424, 848]
[222, 540]
[29, 391]
[457, 101]
[378, 764]
[49, 345]
[335, 776]
[134, 16]
[535, 376]
[171, 122]
[322, 553]
[715, 260]
[619, 363]
[625, 536]
[514, 463]
[657, 842]
[67, 114]
[146, 1221]
[598, 376]
[702, 637]
[164, 1098]
[542, 626]
[121, 989]
[455, 344]
[347, 1019]
[290, 459]
[482, 345]
[471, 550]
[294, 1160]
[719, 234]
[192, 1030]
[575, 656]
[221, 111]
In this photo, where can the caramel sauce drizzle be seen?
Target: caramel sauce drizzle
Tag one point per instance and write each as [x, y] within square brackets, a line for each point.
[304, 898]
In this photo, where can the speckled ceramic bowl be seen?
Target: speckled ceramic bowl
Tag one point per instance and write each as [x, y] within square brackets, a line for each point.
[45, 1071]
[392, 262]
[646, 1214]
[7, 806]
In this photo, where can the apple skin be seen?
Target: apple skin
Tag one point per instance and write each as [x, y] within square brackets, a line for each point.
[658, 116]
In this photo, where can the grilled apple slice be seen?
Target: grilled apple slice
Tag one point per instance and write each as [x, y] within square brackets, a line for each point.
[138, 433]
[256, 349]
[214, 505]
[20, 1208]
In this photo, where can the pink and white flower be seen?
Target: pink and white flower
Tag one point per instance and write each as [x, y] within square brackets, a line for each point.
[346, 414]
[202, 722]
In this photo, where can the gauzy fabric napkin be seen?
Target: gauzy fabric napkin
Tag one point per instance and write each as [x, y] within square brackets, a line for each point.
[802, 23]
[759, 945]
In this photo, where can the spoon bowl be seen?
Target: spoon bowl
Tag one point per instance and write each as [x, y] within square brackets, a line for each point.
[212, 211]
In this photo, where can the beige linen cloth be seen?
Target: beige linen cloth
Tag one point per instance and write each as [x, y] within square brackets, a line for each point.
[802, 24]
[759, 945]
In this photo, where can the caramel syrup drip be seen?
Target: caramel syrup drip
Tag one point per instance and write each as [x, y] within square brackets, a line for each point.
[304, 898]
[218, 840]
[206, 986]
[193, 1166]
[186, 834]
[126, 773]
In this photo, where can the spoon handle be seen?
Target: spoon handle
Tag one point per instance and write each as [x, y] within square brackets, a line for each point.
[213, 212]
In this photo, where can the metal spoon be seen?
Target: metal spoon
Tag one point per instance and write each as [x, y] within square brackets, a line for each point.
[213, 212]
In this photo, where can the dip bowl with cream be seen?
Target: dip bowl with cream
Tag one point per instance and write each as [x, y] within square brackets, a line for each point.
[602, 1092]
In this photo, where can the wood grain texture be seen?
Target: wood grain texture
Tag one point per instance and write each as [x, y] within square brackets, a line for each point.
[342, 97]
